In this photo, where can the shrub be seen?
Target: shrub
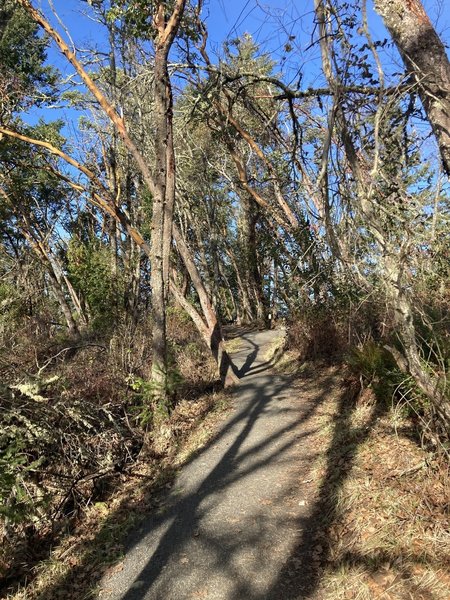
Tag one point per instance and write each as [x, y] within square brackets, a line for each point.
[89, 268]
[375, 367]
[316, 334]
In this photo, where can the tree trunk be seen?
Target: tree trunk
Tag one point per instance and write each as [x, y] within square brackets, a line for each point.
[58, 292]
[163, 192]
[55, 280]
[244, 310]
[252, 276]
[230, 313]
[166, 35]
[409, 361]
[425, 58]
[166, 29]
[158, 285]
[215, 339]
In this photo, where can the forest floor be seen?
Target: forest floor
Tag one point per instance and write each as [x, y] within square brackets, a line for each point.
[298, 487]
[261, 512]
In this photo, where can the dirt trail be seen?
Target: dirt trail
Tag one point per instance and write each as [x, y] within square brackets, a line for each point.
[229, 526]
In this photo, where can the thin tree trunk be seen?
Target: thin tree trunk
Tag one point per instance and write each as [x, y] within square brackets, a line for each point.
[76, 301]
[252, 276]
[410, 361]
[245, 311]
[55, 279]
[216, 342]
[158, 284]
[169, 201]
[391, 259]
[58, 292]
[234, 312]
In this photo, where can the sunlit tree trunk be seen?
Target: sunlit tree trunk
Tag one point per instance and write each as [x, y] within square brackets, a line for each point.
[159, 361]
[425, 58]
[213, 337]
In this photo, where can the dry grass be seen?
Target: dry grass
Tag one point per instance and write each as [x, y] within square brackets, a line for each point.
[275, 350]
[388, 525]
[233, 345]
[95, 545]
[290, 363]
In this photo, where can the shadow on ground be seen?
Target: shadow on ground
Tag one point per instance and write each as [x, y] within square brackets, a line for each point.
[184, 516]
[250, 365]
[301, 574]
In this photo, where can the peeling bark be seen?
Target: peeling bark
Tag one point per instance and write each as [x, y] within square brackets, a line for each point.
[425, 58]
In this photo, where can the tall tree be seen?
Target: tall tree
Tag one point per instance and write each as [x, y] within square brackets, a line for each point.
[164, 193]
[425, 58]
[161, 184]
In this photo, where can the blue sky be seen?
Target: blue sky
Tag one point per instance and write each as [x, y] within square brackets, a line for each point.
[233, 17]
[270, 24]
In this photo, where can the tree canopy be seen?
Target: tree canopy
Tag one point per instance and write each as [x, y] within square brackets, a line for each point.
[152, 181]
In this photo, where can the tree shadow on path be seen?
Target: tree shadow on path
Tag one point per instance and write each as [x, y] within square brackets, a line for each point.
[186, 515]
[245, 368]
[181, 517]
[302, 573]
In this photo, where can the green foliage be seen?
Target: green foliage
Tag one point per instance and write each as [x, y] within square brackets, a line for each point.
[178, 316]
[17, 503]
[89, 266]
[11, 305]
[370, 361]
[35, 193]
[22, 56]
[375, 366]
[243, 55]
[155, 403]
[138, 18]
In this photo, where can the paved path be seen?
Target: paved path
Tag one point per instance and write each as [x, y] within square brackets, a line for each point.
[229, 525]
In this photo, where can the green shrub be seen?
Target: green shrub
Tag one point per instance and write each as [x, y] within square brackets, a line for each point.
[90, 271]
[151, 408]
[17, 500]
[375, 367]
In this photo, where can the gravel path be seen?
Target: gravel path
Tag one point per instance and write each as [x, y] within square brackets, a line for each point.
[229, 526]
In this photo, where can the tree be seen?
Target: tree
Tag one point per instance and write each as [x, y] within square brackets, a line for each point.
[426, 60]
[32, 197]
[161, 182]
[25, 81]
[383, 169]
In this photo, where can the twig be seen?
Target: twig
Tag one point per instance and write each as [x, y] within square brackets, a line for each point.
[411, 470]
[52, 358]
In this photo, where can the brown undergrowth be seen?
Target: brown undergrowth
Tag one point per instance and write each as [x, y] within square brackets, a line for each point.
[379, 525]
[95, 543]
[384, 507]
[78, 462]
